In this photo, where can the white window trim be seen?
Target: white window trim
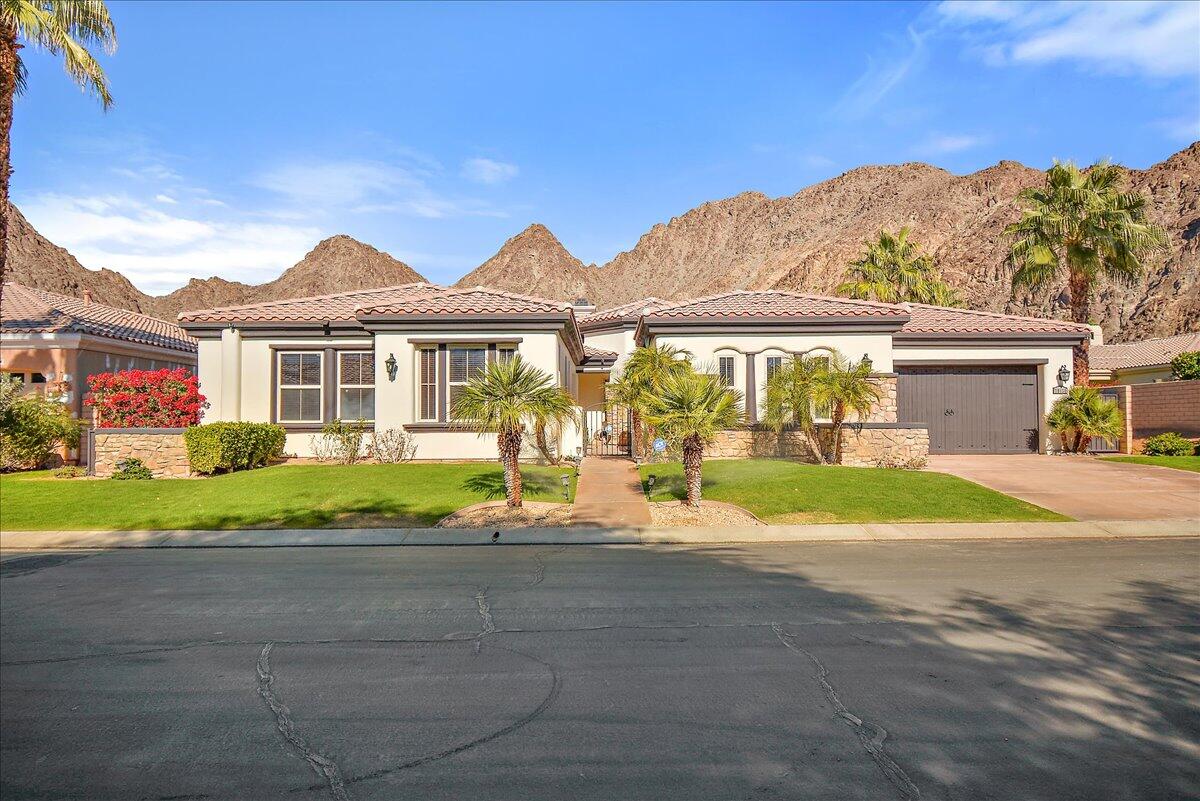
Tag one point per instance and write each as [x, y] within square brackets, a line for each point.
[341, 386]
[280, 387]
[419, 385]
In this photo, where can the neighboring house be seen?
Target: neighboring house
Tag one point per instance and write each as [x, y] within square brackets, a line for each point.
[1142, 362]
[396, 357]
[53, 343]
[979, 382]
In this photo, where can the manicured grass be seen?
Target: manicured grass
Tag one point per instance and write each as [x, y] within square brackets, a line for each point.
[286, 496]
[789, 492]
[1191, 463]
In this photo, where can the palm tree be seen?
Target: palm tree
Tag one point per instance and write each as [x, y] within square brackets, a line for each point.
[1086, 224]
[789, 399]
[688, 410]
[893, 269]
[63, 27]
[844, 387]
[504, 398]
[641, 379]
[1082, 415]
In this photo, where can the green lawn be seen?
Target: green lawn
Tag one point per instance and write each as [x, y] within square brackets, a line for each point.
[286, 496]
[1191, 463]
[789, 492]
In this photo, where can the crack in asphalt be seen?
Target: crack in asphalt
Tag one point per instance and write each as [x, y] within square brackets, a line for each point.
[869, 734]
[321, 765]
[539, 572]
[488, 625]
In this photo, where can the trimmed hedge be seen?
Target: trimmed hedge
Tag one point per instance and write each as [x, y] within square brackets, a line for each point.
[232, 446]
[1169, 444]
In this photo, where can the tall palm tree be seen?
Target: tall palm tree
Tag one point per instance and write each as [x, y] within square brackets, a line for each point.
[688, 410]
[892, 269]
[1082, 415]
[845, 387]
[64, 28]
[505, 398]
[1084, 224]
[790, 399]
[641, 379]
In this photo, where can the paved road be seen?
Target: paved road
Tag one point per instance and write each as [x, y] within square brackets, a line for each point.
[988, 670]
[1081, 487]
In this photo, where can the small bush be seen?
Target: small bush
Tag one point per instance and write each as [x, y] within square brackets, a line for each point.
[392, 446]
[32, 428]
[69, 471]
[1169, 444]
[232, 446]
[132, 470]
[1186, 366]
[340, 441]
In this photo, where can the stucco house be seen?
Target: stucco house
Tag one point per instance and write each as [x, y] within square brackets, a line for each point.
[53, 343]
[953, 380]
[1143, 362]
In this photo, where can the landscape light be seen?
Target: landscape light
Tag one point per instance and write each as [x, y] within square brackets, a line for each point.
[566, 482]
[650, 479]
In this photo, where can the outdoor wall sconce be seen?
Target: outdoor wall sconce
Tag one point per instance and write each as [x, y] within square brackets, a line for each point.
[566, 482]
[1064, 373]
[391, 366]
[866, 360]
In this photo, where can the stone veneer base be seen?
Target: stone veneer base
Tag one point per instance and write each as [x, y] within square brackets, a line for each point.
[160, 449]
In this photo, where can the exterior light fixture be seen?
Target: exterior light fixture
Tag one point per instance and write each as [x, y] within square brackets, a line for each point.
[866, 360]
[650, 479]
[391, 366]
[566, 482]
[1064, 374]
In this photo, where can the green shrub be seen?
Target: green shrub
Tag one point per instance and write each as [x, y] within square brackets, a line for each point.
[131, 470]
[232, 446]
[340, 441]
[69, 471]
[1169, 444]
[1186, 366]
[32, 428]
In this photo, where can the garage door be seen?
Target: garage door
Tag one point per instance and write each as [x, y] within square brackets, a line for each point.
[990, 409]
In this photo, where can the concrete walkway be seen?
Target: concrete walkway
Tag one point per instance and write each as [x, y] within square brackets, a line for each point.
[615, 535]
[609, 493]
[1082, 487]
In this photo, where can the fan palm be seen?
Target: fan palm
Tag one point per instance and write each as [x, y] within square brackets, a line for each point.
[64, 28]
[844, 387]
[641, 378]
[1082, 415]
[504, 398]
[790, 399]
[688, 410]
[1086, 224]
[893, 269]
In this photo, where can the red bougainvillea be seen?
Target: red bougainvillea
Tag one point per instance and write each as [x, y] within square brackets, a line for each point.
[146, 399]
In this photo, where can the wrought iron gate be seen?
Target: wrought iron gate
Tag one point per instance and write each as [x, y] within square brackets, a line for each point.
[607, 432]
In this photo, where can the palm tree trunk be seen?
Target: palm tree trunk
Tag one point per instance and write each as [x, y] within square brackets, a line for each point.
[543, 446]
[693, 461]
[814, 443]
[8, 88]
[637, 436]
[837, 415]
[509, 445]
[1080, 291]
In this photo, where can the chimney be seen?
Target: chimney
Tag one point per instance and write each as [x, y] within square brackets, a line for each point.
[87, 297]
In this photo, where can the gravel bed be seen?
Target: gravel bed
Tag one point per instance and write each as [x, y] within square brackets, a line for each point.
[530, 515]
[667, 515]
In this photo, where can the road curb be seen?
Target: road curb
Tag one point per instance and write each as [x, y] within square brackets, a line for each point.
[840, 532]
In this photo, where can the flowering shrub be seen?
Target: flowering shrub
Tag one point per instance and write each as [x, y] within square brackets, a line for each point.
[146, 399]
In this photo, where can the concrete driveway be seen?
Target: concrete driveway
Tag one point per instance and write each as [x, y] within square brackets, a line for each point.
[1082, 487]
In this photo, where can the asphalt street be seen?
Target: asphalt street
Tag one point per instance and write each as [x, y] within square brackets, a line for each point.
[935, 670]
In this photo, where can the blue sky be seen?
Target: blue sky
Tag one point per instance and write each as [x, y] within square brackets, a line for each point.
[244, 133]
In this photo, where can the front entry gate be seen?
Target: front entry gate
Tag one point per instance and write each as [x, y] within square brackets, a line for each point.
[607, 432]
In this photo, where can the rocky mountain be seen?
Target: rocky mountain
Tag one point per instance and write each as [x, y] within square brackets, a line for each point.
[336, 264]
[534, 262]
[749, 241]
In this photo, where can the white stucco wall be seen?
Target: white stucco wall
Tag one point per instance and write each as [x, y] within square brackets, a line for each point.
[620, 342]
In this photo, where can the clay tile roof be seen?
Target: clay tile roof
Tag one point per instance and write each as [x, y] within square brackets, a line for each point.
[1146, 353]
[339, 307]
[591, 354]
[35, 311]
[626, 312]
[472, 301]
[942, 320]
[775, 303]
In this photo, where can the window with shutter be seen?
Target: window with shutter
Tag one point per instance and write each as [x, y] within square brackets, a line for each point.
[356, 385]
[300, 387]
[465, 364]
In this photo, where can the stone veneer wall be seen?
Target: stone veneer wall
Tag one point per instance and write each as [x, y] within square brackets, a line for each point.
[886, 409]
[870, 445]
[160, 449]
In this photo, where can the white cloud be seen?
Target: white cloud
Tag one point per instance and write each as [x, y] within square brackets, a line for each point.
[159, 252]
[487, 171]
[880, 78]
[1148, 38]
[170, 201]
[940, 144]
[335, 183]
[1185, 128]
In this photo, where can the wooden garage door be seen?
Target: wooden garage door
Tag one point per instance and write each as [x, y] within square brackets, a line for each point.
[991, 409]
